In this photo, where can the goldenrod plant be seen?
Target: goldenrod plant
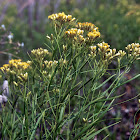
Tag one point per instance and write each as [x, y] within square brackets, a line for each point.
[58, 93]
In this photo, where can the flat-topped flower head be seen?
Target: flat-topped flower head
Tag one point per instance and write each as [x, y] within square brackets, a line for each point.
[85, 26]
[93, 34]
[74, 32]
[50, 64]
[61, 17]
[133, 50]
[110, 54]
[14, 61]
[103, 47]
[132, 46]
[40, 53]
[121, 53]
[14, 66]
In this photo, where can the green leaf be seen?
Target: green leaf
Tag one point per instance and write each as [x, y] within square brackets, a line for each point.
[35, 127]
[97, 132]
[103, 83]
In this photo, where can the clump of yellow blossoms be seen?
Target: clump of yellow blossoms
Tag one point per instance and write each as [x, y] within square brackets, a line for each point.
[121, 53]
[93, 34]
[78, 33]
[40, 53]
[79, 39]
[103, 47]
[83, 35]
[23, 77]
[53, 64]
[133, 50]
[61, 17]
[16, 69]
[93, 51]
[74, 32]
[85, 26]
[105, 52]
[50, 64]
[15, 66]
[93, 31]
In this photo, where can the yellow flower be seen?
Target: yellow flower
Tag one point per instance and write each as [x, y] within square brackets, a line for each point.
[40, 53]
[61, 17]
[120, 53]
[85, 26]
[23, 77]
[15, 83]
[74, 32]
[14, 61]
[103, 47]
[15, 67]
[6, 66]
[94, 34]
[133, 50]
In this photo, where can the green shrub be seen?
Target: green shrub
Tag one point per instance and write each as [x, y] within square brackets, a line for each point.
[57, 94]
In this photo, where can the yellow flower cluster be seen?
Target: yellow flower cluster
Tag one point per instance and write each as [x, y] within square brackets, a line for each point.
[78, 33]
[93, 51]
[93, 34]
[61, 17]
[121, 53]
[85, 26]
[49, 67]
[50, 64]
[106, 54]
[40, 53]
[74, 32]
[79, 39]
[17, 69]
[14, 66]
[133, 50]
[103, 47]
[23, 77]
[14, 61]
